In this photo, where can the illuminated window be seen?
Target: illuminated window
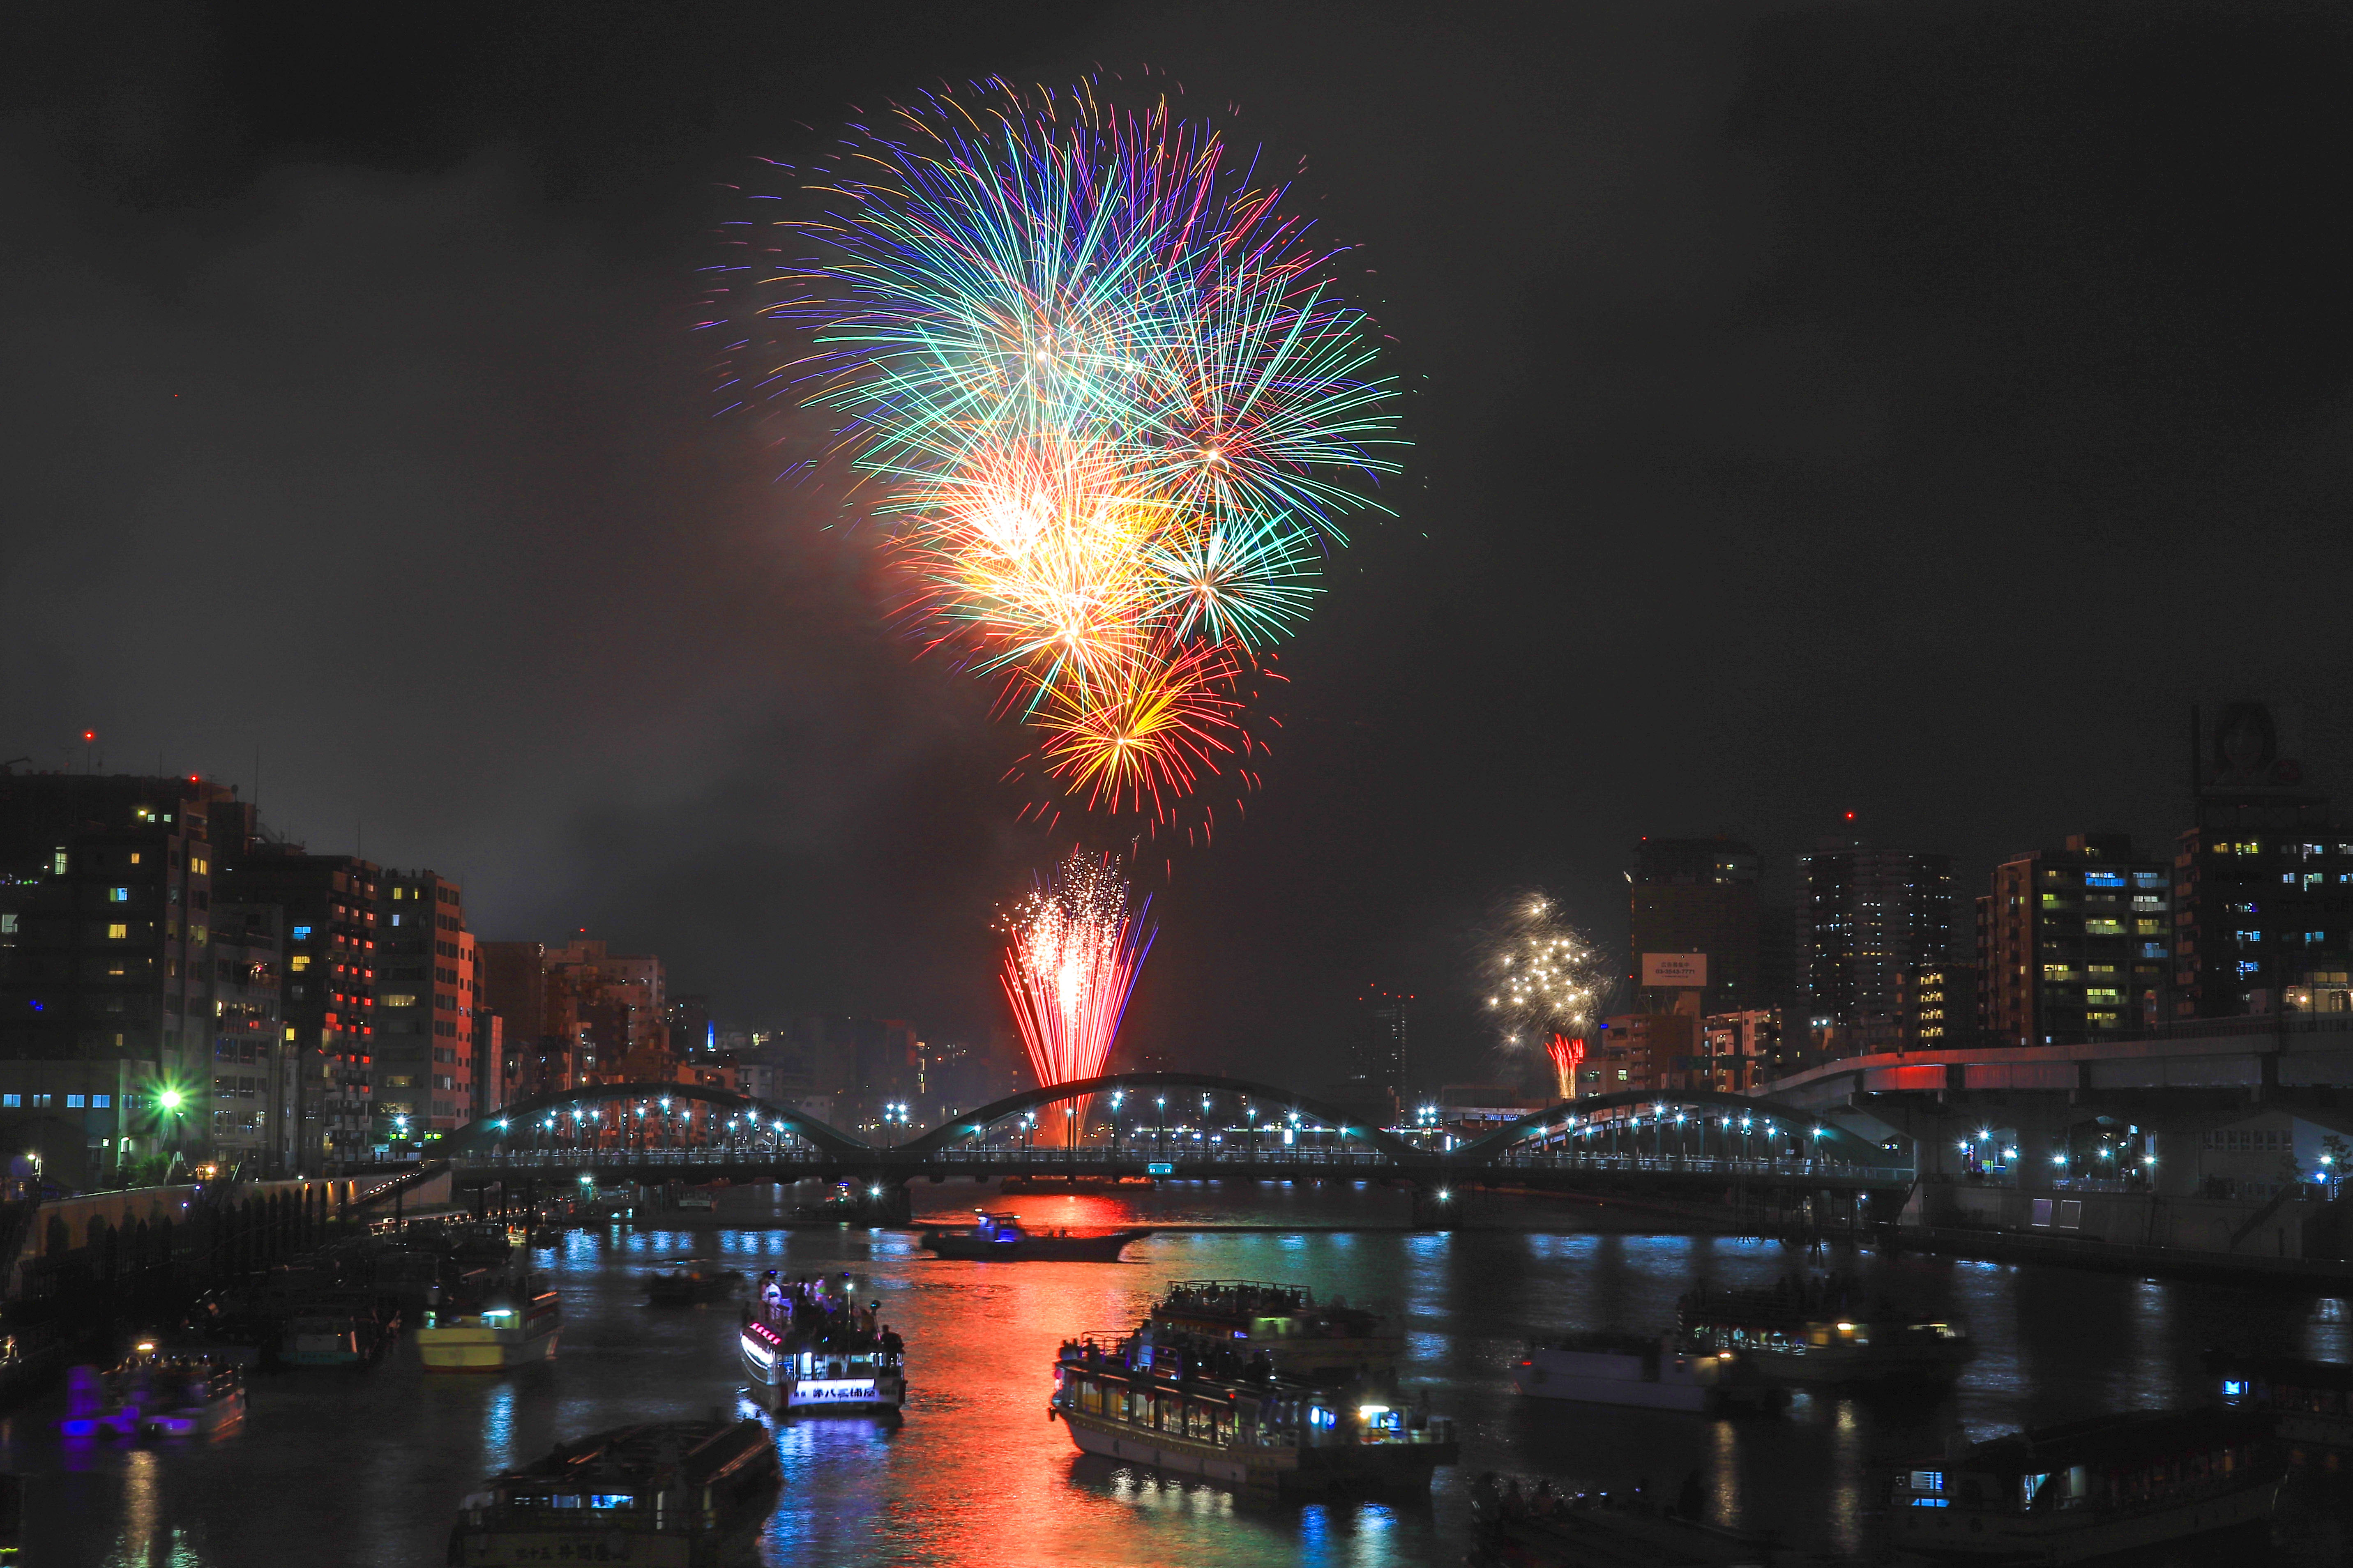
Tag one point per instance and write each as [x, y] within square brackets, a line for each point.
[100, 1101]
[199, 867]
[118, 895]
[118, 933]
[57, 863]
[302, 932]
[73, 1102]
[301, 961]
[396, 999]
[8, 924]
[2099, 994]
[2097, 927]
[11, 1101]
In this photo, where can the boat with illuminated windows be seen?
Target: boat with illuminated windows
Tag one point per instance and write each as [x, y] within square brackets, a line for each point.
[1197, 1405]
[1300, 1336]
[808, 1349]
[1809, 1333]
[676, 1494]
[2098, 1489]
[1002, 1238]
[2308, 1403]
[506, 1322]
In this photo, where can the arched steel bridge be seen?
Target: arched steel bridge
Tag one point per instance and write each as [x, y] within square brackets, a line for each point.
[1181, 1125]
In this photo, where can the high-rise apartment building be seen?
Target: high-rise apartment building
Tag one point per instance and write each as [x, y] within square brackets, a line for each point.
[427, 1006]
[328, 1000]
[620, 1002]
[2262, 885]
[252, 1083]
[2073, 943]
[1936, 1007]
[105, 891]
[1380, 1060]
[1698, 896]
[1864, 916]
[541, 1030]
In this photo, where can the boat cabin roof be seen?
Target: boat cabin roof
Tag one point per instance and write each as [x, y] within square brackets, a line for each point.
[698, 1450]
[2283, 1369]
[2135, 1436]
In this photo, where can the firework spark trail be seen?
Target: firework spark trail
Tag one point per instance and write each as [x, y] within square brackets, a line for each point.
[1547, 980]
[1108, 400]
[1075, 945]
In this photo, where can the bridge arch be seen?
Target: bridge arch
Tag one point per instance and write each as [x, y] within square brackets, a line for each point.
[939, 1138]
[477, 1135]
[1772, 1114]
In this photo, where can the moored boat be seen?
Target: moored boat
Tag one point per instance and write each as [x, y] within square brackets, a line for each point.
[333, 1337]
[809, 1350]
[679, 1494]
[2308, 1403]
[1808, 1333]
[505, 1323]
[2090, 1488]
[1195, 1406]
[152, 1395]
[1002, 1238]
[1654, 1374]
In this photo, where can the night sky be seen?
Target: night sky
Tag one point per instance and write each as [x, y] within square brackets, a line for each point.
[1901, 409]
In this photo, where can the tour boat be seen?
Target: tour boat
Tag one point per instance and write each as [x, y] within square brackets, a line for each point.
[1199, 1407]
[999, 1237]
[678, 1494]
[690, 1280]
[2310, 1402]
[1299, 1336]
[499, 1325]
[152, 1395]
[1626, 1369]
[807, 1351]
[2090, 1488]
[1803, 1335]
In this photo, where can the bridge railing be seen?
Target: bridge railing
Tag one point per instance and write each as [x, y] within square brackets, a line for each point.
[1736, 1165]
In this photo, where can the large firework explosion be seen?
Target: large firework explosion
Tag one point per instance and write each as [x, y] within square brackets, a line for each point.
[1546, 982]
[1100, 391]
[1075, 945]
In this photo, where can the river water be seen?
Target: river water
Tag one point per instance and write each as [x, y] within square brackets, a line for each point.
[336, 1468]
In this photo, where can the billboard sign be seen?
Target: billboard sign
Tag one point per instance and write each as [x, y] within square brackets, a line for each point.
[1675, 970]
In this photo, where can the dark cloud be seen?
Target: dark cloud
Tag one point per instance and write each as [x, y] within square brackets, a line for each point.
[1816, 407]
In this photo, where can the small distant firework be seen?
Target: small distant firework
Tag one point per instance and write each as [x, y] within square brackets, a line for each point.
[1566, 1052]
[1546, 982]
[1104, 393]
[1075, 945]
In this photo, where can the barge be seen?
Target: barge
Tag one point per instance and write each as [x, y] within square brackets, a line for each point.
[1807, 1333]
[1194, 1405]
[2111, 1484]
[678, 1494]
[1000, 1238]
[806, 1351]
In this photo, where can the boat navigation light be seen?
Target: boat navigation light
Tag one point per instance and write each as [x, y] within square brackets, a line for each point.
[1846, 1328]
[1367, 1411]
[145, 1347]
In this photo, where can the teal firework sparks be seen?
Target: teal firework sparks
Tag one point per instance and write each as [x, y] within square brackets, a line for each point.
[1104, 392]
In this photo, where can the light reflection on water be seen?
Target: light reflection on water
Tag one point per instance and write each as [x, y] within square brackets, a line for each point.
[337, 1468]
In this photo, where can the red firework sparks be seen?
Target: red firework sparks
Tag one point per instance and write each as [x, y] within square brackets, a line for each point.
[1076, 943]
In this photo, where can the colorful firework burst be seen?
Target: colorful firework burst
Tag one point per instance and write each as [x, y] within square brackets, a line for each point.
[1074, 946]
[1104, 393]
